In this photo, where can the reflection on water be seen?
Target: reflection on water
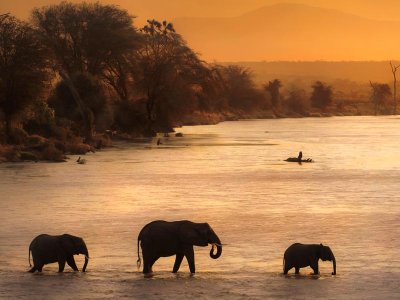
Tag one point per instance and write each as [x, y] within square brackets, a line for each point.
[233, 176]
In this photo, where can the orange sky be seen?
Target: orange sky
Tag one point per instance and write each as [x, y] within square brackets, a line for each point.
[172, 9]
[377, 9]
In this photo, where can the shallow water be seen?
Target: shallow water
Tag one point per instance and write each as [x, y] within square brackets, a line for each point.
[232, 176]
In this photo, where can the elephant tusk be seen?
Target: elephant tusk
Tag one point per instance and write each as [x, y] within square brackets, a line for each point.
[215, 244]
[87, 257]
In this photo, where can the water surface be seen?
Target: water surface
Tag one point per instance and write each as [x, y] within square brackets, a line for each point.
[232, 176]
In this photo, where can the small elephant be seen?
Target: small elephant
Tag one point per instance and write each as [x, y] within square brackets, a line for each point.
[48, 249]
[300, 255]
[162, 239]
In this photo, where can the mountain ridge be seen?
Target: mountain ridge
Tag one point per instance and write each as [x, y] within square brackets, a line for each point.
[314, 33]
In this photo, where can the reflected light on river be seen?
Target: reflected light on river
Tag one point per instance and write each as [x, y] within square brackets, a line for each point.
[232, 176]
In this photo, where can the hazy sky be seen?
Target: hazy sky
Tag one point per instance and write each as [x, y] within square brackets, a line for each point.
[377, 9]
[171, 9]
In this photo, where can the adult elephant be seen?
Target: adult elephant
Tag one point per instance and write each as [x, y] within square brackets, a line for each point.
[48, 249]
[301, 255]
[162, 239]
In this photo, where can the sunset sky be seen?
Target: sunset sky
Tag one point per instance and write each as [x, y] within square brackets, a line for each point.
[369, 37]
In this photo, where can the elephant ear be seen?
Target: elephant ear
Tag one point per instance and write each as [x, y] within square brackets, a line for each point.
[320, 251]
[194, 234]
[327, 253]
[67, 244]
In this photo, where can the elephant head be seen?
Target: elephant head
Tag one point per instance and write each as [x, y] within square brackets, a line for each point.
[75, 245]
[325, 253]
[201, 234]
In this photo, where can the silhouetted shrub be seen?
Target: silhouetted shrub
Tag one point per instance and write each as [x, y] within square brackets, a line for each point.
[297, 101]
[273, 89]
[91, 93]
[322, 95]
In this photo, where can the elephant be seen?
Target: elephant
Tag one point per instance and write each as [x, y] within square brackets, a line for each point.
[163, 239]
[48, 249]
[301, 255]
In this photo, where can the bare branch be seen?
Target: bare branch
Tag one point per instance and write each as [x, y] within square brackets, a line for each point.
[394, 70]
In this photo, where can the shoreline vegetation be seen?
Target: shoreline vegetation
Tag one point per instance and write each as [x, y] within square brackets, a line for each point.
[78, 76]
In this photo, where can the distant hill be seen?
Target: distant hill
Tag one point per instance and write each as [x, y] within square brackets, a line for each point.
[291, 32]
[360, 72]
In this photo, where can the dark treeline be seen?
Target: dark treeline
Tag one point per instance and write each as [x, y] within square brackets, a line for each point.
[77, 74]
[78, 71]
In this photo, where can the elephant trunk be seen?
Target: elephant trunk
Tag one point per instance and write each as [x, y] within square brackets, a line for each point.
[334, 265]
[215, 243]
[86, 253]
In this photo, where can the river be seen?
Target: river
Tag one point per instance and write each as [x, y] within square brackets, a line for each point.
[231, 175]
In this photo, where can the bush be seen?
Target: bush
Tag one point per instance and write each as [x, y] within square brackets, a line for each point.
[322, 95]
[297, 101]
[130, 116]
[40, 119]
[52, 153]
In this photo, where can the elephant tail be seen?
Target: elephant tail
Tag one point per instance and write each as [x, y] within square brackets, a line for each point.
[283, 264]
[139, 261]
[29, 256]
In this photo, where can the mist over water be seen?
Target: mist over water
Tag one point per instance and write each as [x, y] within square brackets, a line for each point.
[232, 176]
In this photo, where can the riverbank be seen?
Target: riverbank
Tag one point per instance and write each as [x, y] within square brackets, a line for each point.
[38, 148]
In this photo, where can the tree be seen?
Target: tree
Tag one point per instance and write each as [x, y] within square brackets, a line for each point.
[86, 37]
[90, 91]
[89, 38]
[321, 96]
[168, 70]
[212, 96]
[297, 101]
[3, 17]
[394, 71]
[23, 71]
[273, 88]
[381, 95]
[240, 89]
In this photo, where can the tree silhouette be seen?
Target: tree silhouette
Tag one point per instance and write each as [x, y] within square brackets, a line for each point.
[240, 89]
[89, 38]
[212, 96]
[3, 17]
[23, 71]
[167, 70]
[380, 95]
[273, 88]
[394, 71]
[89, 89]
[297, 101]
[321, 96]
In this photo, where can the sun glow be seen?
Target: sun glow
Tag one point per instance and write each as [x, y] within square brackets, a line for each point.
[254, 30]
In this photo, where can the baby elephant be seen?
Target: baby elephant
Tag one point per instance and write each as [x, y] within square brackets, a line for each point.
[299, 256]
[48, 249]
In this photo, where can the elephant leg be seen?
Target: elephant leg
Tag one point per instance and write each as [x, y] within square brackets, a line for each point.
[297, 270]
[152, 263]
[147, 264]
[32, 270]
[71, 263]
[189, 253]
[39, 267]
[286, 271]
[314, 266]
[146, 267]
[286, 268]
[178, 261]
[61, 266]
